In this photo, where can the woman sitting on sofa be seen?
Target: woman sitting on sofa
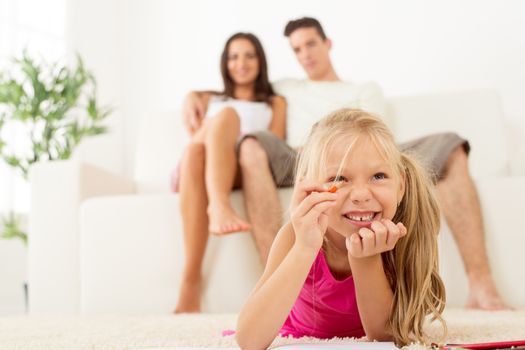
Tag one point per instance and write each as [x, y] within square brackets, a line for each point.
[209, 169]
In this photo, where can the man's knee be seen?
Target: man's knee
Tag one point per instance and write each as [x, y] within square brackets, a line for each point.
[457, 162]
[252, 154]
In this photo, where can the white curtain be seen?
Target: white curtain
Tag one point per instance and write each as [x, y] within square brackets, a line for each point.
[38, 26]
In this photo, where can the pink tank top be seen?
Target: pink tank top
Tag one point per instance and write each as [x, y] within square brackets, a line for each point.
[325, 307]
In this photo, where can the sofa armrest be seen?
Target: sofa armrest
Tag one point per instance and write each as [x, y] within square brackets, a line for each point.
[96, 182]
[57, 189]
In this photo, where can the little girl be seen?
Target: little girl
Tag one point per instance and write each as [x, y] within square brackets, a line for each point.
[360, 261]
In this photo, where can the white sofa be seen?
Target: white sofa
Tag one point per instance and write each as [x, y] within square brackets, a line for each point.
[114, 245]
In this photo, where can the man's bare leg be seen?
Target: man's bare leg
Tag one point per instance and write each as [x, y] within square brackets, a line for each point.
[457, 194]
[221, 169]
[193, 205]
[260, 195]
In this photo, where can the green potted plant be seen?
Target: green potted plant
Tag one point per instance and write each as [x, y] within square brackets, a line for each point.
[56, 107]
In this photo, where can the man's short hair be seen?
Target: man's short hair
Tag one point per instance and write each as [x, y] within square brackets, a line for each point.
[305, 22]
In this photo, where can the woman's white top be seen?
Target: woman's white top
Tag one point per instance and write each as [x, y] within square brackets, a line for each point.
[254, 116]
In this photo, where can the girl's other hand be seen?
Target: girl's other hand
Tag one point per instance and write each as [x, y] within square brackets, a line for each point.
[381, 237]
[310, 204]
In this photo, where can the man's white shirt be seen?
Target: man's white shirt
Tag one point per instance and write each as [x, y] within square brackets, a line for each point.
[309, 101]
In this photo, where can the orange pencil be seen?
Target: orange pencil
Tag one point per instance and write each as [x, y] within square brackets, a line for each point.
[334, 187]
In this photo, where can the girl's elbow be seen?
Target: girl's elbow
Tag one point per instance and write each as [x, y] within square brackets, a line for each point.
[246, 344]
[379, 335]
[241, 341]
[248, 341]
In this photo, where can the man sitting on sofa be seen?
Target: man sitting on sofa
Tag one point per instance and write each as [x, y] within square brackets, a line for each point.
[267, 162]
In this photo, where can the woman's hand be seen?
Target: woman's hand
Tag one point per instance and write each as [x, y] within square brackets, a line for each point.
[193, 112]
[381, 237]
[310, 204]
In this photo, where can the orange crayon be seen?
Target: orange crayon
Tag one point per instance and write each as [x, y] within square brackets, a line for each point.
[334, 187]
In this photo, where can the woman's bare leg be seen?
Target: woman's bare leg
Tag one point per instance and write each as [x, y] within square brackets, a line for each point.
[193, 205]
[220, 138]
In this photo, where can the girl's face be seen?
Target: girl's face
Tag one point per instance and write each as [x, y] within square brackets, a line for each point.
[243, 64]
[369, 188]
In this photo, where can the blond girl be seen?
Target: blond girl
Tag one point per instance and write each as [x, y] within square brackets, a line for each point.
[358, 261]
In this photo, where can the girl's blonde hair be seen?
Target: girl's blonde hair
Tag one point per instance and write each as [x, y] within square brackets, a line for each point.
[412, 266]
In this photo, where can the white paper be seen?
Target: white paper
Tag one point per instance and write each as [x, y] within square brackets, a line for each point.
[304, 346]
[339, 346]
[185, 348]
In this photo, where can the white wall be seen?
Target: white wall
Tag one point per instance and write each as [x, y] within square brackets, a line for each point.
[94, 29]
[150, 53]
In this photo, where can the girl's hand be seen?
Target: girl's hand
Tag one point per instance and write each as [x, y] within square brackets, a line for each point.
[381, 237]
[310, 203]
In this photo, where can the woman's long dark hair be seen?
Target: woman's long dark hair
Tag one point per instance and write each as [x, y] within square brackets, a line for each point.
[263, 88]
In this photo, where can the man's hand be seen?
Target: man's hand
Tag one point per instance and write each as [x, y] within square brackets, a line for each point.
[193, 112]
[381, 237]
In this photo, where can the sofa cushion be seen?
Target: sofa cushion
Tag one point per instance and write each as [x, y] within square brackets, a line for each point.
[475, 115]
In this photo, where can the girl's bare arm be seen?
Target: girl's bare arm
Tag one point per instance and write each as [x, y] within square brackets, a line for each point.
[272, 299]
[291, 256]
[374, 296]
[373, 291]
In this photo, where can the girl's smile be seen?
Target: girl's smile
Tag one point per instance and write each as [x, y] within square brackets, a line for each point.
[362, 218]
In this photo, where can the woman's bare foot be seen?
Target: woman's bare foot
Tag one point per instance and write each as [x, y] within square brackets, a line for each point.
[189, 297]
[224, 220]
[484, 295]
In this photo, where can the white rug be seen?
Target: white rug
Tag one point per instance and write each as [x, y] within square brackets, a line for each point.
[124, 332]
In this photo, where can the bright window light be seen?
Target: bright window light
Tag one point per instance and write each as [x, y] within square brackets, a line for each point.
[39, 27]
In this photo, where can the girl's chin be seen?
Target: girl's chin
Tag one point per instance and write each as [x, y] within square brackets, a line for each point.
[345, 233]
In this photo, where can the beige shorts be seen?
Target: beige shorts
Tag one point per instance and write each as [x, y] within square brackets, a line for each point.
[432, 151]
[281, 156]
